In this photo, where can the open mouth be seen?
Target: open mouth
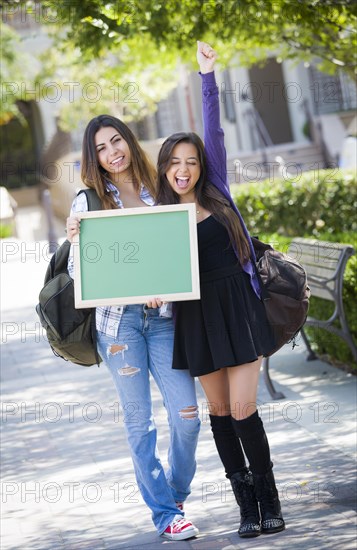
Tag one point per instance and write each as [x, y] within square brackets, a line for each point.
[117, 161]
[182, 183]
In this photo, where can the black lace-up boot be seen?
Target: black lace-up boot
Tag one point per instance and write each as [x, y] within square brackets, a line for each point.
[268, 498]
[243, 489]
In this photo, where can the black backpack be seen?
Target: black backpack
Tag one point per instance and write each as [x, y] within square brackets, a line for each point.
[285, 292]
[71, 332]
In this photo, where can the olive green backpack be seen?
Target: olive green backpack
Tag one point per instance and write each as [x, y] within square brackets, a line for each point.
[71, 332]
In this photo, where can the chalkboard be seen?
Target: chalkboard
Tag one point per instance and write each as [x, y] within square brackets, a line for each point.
[131, 255]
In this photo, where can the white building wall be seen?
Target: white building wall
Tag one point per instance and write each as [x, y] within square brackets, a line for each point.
[232, 130]
[229, 128]
[296, 89]
[240, 83]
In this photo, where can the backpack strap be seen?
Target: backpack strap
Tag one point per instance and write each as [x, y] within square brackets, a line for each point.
[94, 336]
[60, 258]
[260, 248]
[94, 202]
[58, 263]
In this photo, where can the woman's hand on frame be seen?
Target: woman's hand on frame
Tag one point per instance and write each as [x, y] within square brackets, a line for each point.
[154, 303]
[72, 227]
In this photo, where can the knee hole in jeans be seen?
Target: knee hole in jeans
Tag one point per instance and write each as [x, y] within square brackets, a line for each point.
[189, 412]
[127, 370]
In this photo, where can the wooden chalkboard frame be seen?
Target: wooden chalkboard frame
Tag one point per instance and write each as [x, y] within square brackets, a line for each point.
[184, 214]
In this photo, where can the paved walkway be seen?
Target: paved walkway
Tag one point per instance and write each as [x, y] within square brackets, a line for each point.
[67, 479]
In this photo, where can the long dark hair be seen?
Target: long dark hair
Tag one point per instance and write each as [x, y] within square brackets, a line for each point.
[207, 195]
[93, 175]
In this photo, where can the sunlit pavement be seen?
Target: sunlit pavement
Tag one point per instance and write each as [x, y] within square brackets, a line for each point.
[67, 477]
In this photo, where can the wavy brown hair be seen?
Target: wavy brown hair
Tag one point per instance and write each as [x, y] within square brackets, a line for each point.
[93, 175]
[207, 195]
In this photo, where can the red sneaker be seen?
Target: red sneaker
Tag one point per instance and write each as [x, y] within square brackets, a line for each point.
[180, 529]
[179, 505]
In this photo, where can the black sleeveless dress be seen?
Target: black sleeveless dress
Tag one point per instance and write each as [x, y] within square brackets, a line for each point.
[228, 325]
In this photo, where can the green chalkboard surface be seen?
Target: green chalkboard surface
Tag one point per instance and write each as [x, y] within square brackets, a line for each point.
[128, 256]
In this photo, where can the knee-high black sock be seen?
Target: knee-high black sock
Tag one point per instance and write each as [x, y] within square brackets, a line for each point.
[254, 441]
[228, 444]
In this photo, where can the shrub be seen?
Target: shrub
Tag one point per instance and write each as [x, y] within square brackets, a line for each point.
[6, 230]
[313, 204]
[323, 208]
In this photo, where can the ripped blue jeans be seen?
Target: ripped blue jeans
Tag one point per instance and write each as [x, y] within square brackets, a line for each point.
[144, 345]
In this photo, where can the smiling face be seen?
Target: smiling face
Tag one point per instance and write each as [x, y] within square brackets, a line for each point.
[112, 152]
[184, 170]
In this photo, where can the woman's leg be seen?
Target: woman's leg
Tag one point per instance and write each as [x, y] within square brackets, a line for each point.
[127, 360]
[243, 384]
[178, 391]
[216, 387]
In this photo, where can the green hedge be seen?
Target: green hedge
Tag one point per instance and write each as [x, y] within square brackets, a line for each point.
[314, 204]
[5, 231]
[17, 155]
[322, 207]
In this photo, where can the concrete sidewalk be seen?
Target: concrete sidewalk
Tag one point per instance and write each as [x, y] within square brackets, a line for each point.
[67, 477]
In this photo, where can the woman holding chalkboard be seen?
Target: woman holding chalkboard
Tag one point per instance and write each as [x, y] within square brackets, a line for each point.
[136, 340]
[223, 337]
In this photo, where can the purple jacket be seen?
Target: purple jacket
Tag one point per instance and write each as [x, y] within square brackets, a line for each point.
[217, 159]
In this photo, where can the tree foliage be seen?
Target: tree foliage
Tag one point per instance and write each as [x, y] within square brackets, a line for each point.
[301, 29]
[15, 71]
[123, 85]
[145, 39]
[128, 81]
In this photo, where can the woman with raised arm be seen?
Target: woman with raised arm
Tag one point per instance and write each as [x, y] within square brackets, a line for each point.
[222, 337]
[136, 340]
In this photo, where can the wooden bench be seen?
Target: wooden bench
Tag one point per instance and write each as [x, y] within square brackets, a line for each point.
[325, 264]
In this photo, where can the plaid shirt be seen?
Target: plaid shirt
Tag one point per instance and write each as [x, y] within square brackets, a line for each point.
[108, 318]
